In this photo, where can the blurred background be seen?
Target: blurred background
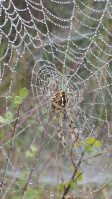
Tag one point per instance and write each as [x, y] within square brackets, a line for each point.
[44, 45]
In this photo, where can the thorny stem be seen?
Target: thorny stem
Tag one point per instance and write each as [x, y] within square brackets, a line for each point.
[11, 148]
[73, 176]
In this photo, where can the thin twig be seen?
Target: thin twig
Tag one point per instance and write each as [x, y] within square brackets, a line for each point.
[61, 176]
[23, 120]
[100, 153]
[37, 156]
[42, 169]
[11, 148]
[73, 176]
[18, 168]
[21, 163]
[71, 155]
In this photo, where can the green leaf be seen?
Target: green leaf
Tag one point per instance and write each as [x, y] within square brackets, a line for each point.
[34, 148]
[97, 143]
[73, 183]
[2, 120]
[29, 153]
[88, 148]
[61, 187]
[32, 152]
[90, 140]
[79, 143]
[79, 176]
[9, 116]
[72, 168]
[17, 100]
[10, 126]
[14, 106]
[23, 92]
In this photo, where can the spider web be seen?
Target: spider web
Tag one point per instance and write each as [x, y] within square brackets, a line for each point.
[43, 43]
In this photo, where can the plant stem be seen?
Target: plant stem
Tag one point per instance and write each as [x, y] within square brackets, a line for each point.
[73, 176]
[11, 148]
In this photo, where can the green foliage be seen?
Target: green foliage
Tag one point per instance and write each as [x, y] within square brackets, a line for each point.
[9, 116]
[61, 187]
[97, 143]
[23, 92]
[79, 143]
[33, 194]
[25, 175]
[72, 183]
[32, 151]
[17, 100]
[88, 148]
[12, 104]
[90, 144]
[90, 140]
[2, 120]
[79, 175]
[72, 168]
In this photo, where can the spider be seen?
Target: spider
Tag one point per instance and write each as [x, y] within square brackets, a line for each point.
[60, 103]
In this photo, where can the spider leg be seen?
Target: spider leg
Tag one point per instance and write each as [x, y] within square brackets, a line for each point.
[60, 130]
[73, 129]
[56, 108]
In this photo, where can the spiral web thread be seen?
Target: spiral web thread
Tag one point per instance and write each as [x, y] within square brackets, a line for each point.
[44, 42]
